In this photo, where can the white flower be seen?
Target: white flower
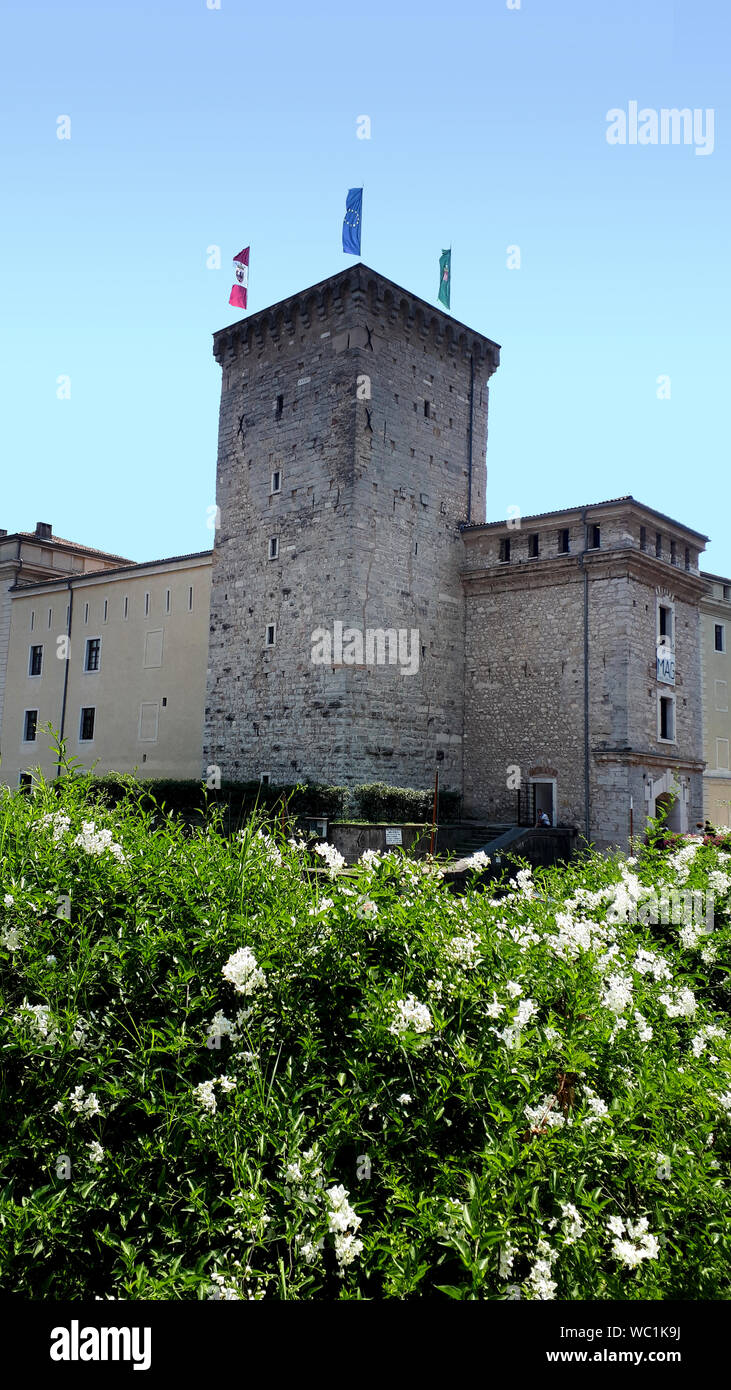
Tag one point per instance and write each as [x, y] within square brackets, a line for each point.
[616, 1225]
[96, 1152]
[617, 993]
[463, 950]
[539, 1281]
[370, 859]
[94, 841]
[411, 1016]
[545, 1115]
[40, 1018]
[59, 823]
[206, 1096]
[514, 989]
[725, 1101]
[8, 900]
[347, 1248]
[710, 1030]
[644, 1030]
[268, 845]
[242, 971]
[343, 1222]
[573, 1226]
[663, 1167]
[648, 963]
[507, 1256]
[12, 939]
[494, 1010]
[640, 1243]
[226, 1083]
[333, 858]
[478, 860]
[366, 909]
[680, 1004]
[404, 1098]
[719, 882]
[223, 1292]
[596, 1105]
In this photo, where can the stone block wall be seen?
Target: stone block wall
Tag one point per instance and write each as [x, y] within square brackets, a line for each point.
[360, 395]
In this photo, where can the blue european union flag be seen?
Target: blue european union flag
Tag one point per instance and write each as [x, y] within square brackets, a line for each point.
[352, 221]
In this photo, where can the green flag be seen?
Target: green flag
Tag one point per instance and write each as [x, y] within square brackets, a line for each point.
[445, 276]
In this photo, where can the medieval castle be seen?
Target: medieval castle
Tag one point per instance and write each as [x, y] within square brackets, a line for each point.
[358, 620]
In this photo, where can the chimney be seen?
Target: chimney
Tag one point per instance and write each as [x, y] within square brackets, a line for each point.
[44, 530]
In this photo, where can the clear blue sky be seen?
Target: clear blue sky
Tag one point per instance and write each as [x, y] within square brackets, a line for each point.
[194, 127]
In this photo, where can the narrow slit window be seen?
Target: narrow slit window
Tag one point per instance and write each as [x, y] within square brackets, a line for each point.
[126, 606]
[167, 600]
[190, 598]
[35, 665]
[276, 481]
[86, 724]
[504, 549]
[147, 605]
[273, 547]
[271, 635]
[30, 725]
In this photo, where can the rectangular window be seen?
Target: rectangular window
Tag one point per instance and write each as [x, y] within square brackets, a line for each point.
[271, 635]
[719, 637]
[35, 664]
[273, 547]
[147, 605]
[25, 781]
[106, 610]
[504, 549]
[665, 624]
[427, 410]
[50, 616]
[149, 713]
[563, 541]
[687, 558]
[594, 537]
[727, 591]
[190, 598]
[673, 552]
[276, 481]
[32, 619]
[658, 545]
[533, 546]
[125, 607]
[86, 724]
[279, 406]
[92, 659]
[167, 600]
[30, 724]
[86, 612]
[264, 778]
[721, 695]
[643, 538]
[667, 719]
[722, 754]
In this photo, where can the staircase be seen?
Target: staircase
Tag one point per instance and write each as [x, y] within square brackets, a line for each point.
[474, 836]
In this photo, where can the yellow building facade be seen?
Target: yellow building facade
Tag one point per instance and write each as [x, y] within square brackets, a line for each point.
[116, 662]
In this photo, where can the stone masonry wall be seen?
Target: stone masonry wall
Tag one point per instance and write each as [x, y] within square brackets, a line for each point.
[374, 487]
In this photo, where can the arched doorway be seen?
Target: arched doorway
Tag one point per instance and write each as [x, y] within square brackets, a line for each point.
[671, 806]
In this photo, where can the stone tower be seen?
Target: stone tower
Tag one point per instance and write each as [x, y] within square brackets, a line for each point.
[352, 439]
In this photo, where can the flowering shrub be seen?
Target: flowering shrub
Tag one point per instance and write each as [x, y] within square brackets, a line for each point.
[219, 1082]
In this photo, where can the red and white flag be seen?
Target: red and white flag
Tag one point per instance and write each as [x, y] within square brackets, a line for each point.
[241, 276]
